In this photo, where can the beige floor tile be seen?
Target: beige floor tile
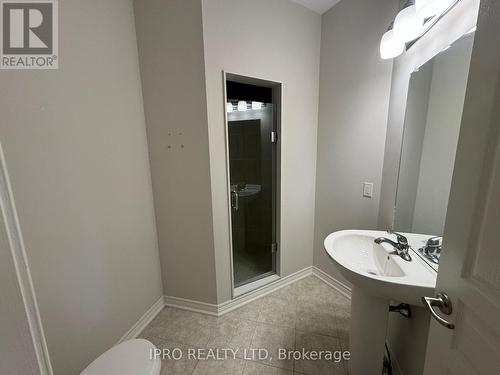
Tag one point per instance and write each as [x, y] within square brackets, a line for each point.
[156, 326]
[308, 285]
[249, 311]
[232, 334]
[278, 311]
[313, 342]
[273, 338]
[315, 291]
[218, 367]
[222, 332]
[254, 368]
[319, 314]
[242, 337]
[181, 326]
[323, 306]
[313, 319]
[287, 293]
[319, 296]
[171, 365]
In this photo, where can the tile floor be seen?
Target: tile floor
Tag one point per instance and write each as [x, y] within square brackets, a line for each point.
[249, 265]
[307, 314]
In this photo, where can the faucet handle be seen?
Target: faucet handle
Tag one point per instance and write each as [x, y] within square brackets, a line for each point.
[433, 245]
[434, 241]
[401, 239]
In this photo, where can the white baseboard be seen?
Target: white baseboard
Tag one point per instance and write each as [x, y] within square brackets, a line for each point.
[334, 283]
[144, 320]
[191, 305]
[225, 307]
[237, 302]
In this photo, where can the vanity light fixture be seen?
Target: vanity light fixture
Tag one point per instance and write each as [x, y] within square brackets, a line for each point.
[229, 107]
[390, 46]
[430, 8]
[256, 105]
[413, 21]
[473, 30]
[408, 25]
[242, 106]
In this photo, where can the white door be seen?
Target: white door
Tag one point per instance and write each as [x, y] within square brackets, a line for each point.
[23, 350]
[469, 271]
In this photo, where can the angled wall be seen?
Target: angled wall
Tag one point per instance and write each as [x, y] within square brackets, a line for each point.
[170, 41]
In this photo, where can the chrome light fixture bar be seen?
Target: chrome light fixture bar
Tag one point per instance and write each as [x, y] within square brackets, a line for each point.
[431, 8]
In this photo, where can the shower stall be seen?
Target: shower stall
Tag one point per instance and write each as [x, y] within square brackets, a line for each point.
[252, 120]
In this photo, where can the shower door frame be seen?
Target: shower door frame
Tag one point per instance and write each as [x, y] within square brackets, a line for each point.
[277, 89]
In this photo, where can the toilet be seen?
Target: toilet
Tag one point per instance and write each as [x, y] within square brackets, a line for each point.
[132, 357]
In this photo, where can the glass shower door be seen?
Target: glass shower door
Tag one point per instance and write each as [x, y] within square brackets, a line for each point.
[252, 169]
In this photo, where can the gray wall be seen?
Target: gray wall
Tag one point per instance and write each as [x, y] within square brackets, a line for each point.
[170, 39]
[354, 98]
[278, 41]
[75, 145]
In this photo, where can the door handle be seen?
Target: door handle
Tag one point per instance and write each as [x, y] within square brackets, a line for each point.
[234, 200]
[443, 303]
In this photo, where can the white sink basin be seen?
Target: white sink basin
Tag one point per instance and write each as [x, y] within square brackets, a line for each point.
[377, 269]
[378, 275]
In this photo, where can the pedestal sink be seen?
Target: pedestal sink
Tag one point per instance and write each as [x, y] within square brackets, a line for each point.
[378, 275]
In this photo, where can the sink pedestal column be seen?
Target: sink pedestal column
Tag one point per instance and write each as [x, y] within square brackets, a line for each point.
[369, 317]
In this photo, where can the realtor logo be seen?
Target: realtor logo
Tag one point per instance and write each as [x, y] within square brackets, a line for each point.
[29, 37]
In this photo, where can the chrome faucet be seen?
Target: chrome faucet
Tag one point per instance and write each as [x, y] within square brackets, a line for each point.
[432, 249]
[401, 247]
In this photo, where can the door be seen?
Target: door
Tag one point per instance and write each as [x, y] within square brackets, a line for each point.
[469, 271]
[22, 344]
[252, 141]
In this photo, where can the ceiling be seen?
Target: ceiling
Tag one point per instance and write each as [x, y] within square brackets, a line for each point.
[319, 6]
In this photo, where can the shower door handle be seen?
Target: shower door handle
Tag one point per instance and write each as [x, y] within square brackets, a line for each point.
[234, 200]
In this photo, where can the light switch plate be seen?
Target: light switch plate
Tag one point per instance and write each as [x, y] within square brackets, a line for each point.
[368, 189]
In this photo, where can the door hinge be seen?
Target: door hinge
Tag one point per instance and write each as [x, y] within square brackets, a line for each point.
[274, 137]
[274, 247]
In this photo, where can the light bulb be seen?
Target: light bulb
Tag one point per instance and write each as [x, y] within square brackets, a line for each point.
[430, 8]
[473, 30]
[408, 25]
[390, 46]
[256, 105]
[242, 105]
[229, 107]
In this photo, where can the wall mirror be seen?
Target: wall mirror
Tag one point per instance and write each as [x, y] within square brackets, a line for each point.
[432, 123]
